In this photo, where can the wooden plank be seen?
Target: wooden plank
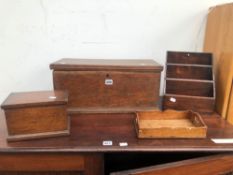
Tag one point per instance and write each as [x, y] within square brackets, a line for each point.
[230, 106]
[219, 31]
[184, 102]
[41, 173]
[198, 58]
[224, 76]
[184, 87]
[41, 162]
[218, 40]
[145, 65]
[189, 72]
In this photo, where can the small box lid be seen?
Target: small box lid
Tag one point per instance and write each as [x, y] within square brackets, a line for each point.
[101, 64]
[36, 98]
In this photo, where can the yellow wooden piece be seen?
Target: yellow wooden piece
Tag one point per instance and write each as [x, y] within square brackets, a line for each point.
[224, 76]
[230, 106]
[170, 124]
[219, 41]
[219, 31]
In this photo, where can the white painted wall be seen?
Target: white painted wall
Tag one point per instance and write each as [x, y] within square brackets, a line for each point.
[34, 33]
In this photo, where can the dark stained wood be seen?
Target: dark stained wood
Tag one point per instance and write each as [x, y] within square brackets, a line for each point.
[31, 118]
[189, 58]
[189, 78]
[195, 103]
[40, 119]
[89, 130]
[110, 110]
[52, 163]
[36, 98]
[87, 87]
[41, 173]
[184, 87]
[109, 65]
[189, 72]
[94, 164]
[42, 162]
[212, 165]
[87, 133]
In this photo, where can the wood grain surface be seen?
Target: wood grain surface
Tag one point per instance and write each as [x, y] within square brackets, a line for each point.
[219, 32]
[144, 65]
[189, 82]
[128, 89]
[184, 102]
[88, 131]
[42, 162]
[51, 164]
[193, 58]
[230, 106]
[31, 115]
[170, 124]
[191, 88]
[218, 40]
[36, 98]
[224, 77]
[41, 173]
[189, 72]
[36, 120]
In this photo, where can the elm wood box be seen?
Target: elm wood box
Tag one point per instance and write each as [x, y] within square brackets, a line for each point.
[189, 82]
[108, 83]
[31, 115]
[170, 124]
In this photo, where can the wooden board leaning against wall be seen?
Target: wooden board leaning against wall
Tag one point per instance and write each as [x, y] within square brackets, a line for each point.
[224, 74]
[219, 41]
[230, 106]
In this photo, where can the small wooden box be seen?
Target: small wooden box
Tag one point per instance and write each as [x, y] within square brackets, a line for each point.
[170, 124]
[108, 83]
[31, 115]
[189, 82]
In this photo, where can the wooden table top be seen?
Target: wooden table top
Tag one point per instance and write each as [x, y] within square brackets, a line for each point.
[88, 132]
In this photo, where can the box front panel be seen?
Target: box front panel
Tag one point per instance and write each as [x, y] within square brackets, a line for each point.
[23, 121]
[108, 89]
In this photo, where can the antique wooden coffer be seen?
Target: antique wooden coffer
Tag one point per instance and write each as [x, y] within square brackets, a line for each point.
[190, 82]
[31, 115]
[108, 83]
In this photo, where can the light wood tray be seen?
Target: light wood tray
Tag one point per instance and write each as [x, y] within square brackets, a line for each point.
[170, 124]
